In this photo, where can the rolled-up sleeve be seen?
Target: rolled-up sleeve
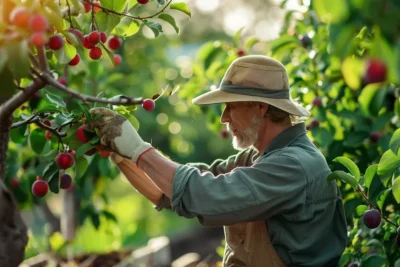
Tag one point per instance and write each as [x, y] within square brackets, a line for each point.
[272, 185]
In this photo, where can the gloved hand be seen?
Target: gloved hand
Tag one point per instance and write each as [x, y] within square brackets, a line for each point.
[118, 134]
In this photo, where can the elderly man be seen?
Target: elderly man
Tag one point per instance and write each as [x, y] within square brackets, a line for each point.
[272, 198]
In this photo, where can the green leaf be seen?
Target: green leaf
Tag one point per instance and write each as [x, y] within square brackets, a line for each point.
[373, 261]
[126, 27]
[155, 27]
[18, 59]
[65, 54]
[343, 176]
[81, 165]
[382, 197]
[116, 5]
[48, 108]
[83, 149]
[54, 182]
[395, 142]
[355, 139]
[331, 12]
[50, 171]
[388, 163]
[250, 42]
[108, 52]
[352, 69]
[56, 100]
[168, 18]
[95, 220]
[86, 112]
[37, 141]
[181, 7]
[17, 134]
[43, 167]
[366, 97]
[106, 22]
[396, 189]
[109, 216]
[132, 119]
[370, 174]
[350, 165]
[361, 209]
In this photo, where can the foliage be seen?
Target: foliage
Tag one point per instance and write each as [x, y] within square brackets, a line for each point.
[328, 53]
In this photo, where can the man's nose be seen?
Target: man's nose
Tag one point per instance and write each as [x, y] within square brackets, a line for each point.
[225, 118]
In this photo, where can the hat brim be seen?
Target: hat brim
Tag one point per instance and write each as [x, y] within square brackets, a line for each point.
[218, 96]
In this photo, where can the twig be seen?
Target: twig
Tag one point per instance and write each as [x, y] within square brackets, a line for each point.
[42, 58]
[30, 120]
[52, 130]
[129, 15]
[69, 15]
[85, 98]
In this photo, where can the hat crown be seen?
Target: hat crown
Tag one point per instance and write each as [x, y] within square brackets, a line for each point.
[257, 71]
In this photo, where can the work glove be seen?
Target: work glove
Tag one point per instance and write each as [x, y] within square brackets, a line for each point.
[116, 133]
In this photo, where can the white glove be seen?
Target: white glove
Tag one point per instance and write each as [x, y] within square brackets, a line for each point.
[118, 134]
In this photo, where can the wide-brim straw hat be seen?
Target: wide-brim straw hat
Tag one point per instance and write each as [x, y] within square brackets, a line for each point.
[255, 78]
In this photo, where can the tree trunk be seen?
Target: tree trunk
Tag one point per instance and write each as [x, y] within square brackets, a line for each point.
[13, 231]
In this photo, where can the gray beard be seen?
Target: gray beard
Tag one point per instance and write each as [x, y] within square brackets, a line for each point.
[247, 137]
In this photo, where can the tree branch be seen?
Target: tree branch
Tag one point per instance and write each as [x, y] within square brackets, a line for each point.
[106, 10]
[32, 119]
[42, 58]
[48, 78]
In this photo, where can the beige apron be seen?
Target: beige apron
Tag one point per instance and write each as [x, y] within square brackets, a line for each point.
[248, 244]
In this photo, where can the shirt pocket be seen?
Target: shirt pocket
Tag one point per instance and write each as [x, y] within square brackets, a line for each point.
[235, 234]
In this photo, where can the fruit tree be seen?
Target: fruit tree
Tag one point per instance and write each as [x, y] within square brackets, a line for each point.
[41, 44]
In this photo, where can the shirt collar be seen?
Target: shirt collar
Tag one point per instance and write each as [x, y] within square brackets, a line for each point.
[284, 138]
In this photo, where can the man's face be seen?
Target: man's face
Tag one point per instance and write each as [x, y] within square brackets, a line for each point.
[243, 123]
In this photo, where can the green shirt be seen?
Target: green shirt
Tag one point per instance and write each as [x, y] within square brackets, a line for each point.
[286, 186]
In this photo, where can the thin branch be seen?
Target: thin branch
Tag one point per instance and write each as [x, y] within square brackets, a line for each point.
[42, 58]
[34, 60]
[85, 98]
[69, 14]
[106, 10]
[34, 118]
[51, 129]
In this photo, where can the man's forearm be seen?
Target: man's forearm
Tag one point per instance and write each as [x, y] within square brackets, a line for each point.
[160, 169]
[140, 181]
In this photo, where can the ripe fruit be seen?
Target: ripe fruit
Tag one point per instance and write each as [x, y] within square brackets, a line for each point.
[38, 23]
[40, 187]
[86, 43]
[75, 60]
[96, 6]
[56, 42]
[305, 41]
[65, 160]
[63, 81]
[376, 71]
[317, 102]
[102, 153]
[47, 122]
[87, 7]
[240, 53]
[375, 136]
[77, 33]
[14, 182]
[148, 104]
[117, 59]
[80, 134]
[95, 53]
[20, 17]
[47, 135]
[114, 43]
[142, 2]
[72, 152]
[94, 37]
[65, 181]
[372, 218]
[38, 39]
[103, 37]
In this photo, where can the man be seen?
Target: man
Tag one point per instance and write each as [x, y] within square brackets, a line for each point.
[273, 198]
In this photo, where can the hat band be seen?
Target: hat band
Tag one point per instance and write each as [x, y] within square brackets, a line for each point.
[254, 91]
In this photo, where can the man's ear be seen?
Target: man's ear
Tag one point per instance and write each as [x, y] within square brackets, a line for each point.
[263, 109]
